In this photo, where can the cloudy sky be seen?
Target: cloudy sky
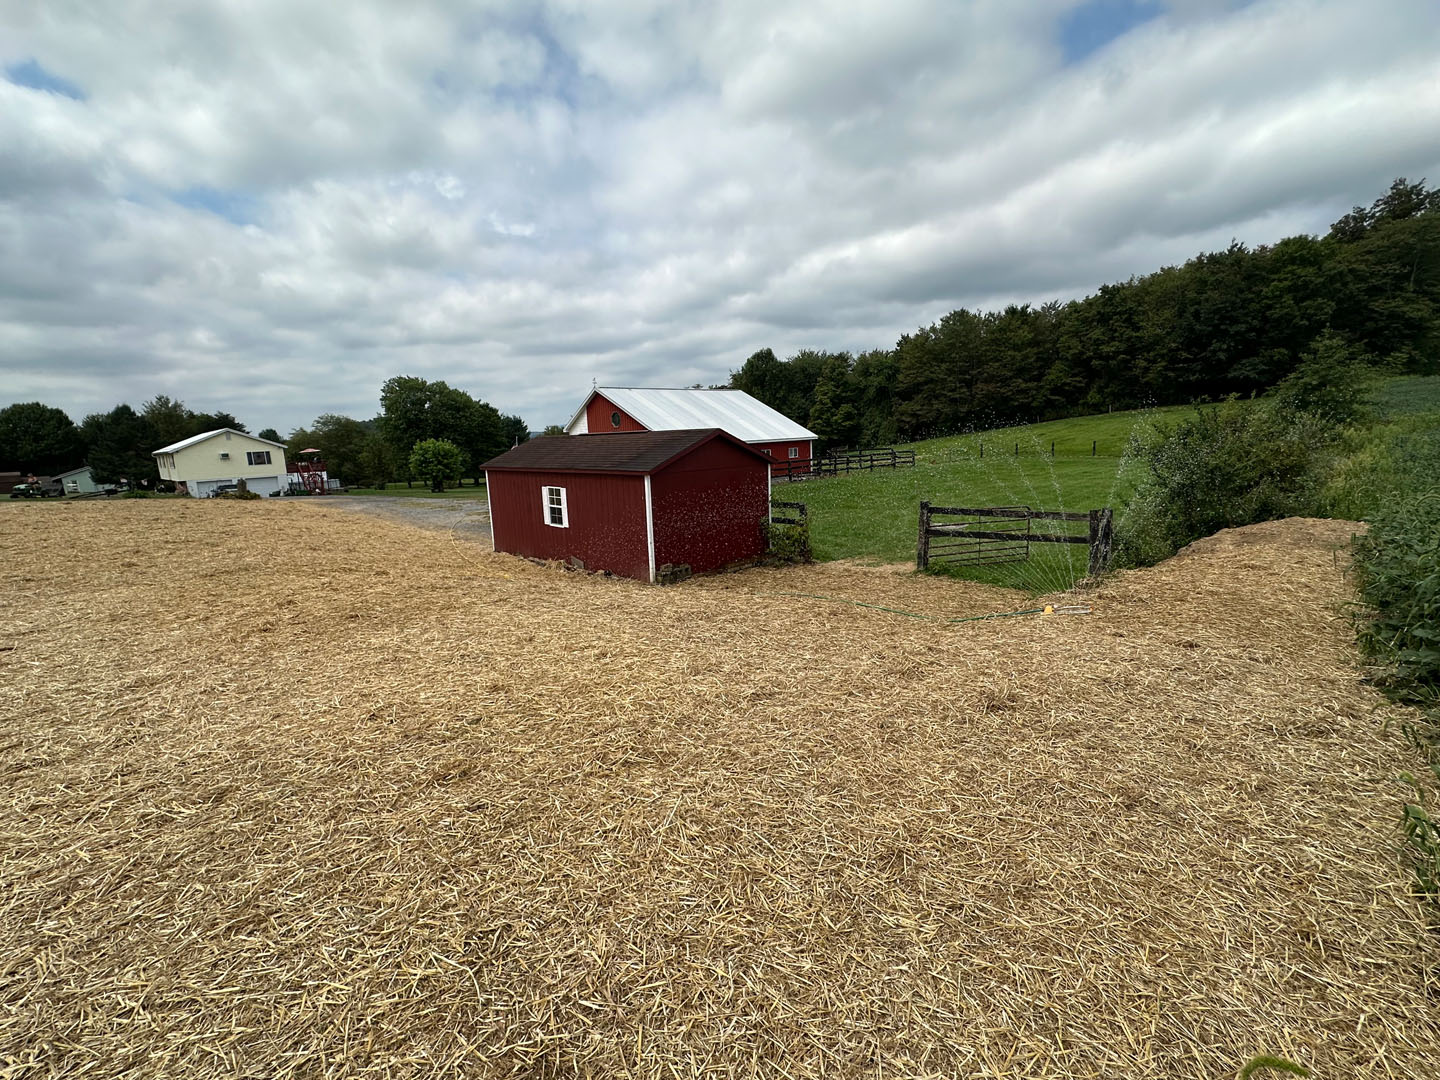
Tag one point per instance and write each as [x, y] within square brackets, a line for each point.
[271, 206]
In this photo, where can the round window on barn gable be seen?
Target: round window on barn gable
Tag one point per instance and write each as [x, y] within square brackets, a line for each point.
[614, 419]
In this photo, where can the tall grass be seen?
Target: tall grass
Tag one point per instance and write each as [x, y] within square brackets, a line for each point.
[1391, 475]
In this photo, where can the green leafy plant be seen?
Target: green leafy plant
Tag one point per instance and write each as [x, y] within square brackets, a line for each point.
[435, 461]
[1398, 570]
[1265, 1061]
[787, 543]
[1422, 839]
[1222, 467]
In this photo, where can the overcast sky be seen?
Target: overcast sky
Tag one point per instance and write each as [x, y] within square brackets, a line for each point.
[271, 206]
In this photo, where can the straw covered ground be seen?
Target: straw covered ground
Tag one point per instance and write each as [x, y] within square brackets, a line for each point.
[295, 792]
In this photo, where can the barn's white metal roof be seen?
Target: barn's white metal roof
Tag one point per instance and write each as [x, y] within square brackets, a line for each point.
[732, 411]
[193, 439]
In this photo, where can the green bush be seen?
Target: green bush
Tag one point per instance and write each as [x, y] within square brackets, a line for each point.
[1225, 466]
[1398, 567]
[1381, 466]
[787, 543]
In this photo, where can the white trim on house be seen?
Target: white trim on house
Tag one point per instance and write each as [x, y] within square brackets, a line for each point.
[490, 513]
[650, 526]
[546, 506]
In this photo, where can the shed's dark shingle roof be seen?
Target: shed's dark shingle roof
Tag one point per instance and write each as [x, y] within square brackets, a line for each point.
[624, 451]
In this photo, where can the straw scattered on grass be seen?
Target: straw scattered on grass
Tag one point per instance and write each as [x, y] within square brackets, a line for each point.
[293, 792]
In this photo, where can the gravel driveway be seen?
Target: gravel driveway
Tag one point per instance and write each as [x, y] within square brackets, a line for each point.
[468, 519]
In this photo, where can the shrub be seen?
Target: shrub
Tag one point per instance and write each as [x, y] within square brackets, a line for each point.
[1332, 382]
[787, 543]
[1226, 466]
[1398, 567]
[1381, 466]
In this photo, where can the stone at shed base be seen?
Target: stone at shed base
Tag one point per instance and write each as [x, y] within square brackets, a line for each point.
[670, 573]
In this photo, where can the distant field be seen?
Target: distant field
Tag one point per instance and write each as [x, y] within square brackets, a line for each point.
[1408, 395]
[421, 491]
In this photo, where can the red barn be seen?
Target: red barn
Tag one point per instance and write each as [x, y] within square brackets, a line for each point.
[611, 409]
[632, 501]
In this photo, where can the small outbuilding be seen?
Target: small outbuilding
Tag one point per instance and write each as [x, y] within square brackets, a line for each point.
[632, 501]
[78, 482]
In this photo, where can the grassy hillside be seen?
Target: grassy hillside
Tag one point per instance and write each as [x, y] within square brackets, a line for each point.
[874, 515]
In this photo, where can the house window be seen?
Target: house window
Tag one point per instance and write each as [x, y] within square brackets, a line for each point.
[225, 455]
[769, 452]
[553, 503]
[257, 457]
[794, 451]
[614, 419]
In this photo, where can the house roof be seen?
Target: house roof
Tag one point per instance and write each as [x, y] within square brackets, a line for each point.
[622, 452]
[733, 411]
[193, 439]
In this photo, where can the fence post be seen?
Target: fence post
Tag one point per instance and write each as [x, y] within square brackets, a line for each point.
[922, 547]
[1052, 448]
[1092, 448]
[1102, 539]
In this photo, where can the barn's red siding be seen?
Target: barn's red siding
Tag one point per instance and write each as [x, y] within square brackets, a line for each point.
[598, 413]
[607, 519]
[709, 507]
[780, 451]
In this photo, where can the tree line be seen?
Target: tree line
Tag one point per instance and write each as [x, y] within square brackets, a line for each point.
[119, 444]
[1231, 322]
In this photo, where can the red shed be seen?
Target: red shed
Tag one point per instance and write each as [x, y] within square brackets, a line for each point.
[632, 501]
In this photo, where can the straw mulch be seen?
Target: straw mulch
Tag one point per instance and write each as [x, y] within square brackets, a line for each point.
[290, 792]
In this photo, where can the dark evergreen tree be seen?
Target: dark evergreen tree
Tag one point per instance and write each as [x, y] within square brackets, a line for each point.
[121, 443]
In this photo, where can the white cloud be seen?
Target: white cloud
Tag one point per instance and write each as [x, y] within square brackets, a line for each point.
[273, 207]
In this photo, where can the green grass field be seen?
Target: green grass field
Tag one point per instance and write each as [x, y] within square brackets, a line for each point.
[874, 515]
[420, 491]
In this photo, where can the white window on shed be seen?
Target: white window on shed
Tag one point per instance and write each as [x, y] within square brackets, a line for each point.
[552, 503]
[794, 451]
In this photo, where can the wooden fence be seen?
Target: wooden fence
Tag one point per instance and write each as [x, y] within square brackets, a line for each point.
[1004, 534]
[885, 457]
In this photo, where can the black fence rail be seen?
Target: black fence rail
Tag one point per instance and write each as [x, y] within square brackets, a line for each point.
[1004, 534]
[791, 513]
[885, 457]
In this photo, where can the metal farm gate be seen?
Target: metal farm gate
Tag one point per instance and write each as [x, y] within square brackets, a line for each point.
[1004, 534]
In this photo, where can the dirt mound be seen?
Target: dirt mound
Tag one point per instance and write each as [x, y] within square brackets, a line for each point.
[294, 792]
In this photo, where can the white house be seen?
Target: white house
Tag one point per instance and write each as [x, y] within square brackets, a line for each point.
[200, 464]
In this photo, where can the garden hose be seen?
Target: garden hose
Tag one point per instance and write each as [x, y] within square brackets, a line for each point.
[1048, 609]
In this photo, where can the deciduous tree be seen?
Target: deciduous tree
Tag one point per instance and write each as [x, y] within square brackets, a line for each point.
[436, 461]
[38, 438]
